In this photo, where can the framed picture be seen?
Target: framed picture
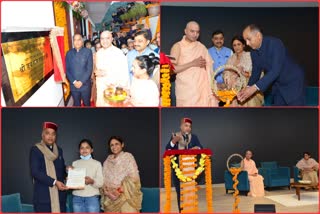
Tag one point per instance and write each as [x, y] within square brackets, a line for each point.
[27, 65]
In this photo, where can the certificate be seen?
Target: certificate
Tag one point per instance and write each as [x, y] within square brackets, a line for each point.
[76, 178]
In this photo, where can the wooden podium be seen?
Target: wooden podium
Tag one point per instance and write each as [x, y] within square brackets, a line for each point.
[185, 167]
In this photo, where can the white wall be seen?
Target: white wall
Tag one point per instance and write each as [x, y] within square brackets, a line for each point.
[26, 15]
[18, 16]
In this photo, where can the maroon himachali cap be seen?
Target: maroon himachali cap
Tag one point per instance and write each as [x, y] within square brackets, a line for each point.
[50, 125]
[186, 120]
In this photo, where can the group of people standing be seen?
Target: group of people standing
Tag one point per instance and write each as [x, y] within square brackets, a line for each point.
[267, 65]
[113, 187]
[91, 72]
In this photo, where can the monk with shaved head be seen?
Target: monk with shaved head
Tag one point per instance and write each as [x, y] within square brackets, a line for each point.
[193, 66]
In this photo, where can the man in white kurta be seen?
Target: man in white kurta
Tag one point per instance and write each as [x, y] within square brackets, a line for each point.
[112, 67]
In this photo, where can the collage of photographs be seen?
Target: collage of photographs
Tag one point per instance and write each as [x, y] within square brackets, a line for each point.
[159, 107]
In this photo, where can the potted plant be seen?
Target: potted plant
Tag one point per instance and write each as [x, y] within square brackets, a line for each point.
[133, 12]
[130, 14]
[141, 10]
[124, 17]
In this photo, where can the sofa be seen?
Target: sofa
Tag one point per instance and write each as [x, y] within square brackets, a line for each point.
[311, 97]
[296, 174]
[12, 202]
[243, 185]
[274, 175]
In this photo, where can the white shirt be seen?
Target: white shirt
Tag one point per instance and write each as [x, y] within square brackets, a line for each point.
[144, 92]
[114, 64]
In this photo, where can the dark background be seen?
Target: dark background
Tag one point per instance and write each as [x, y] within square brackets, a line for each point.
[297, 27]
[21, 129]
[280, 135]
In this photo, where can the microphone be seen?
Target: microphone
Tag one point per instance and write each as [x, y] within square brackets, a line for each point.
[186, 139]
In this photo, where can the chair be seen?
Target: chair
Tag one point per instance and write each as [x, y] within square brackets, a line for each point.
[150, 200]
[12, 203]
[312, 96]
[296, 174]
[274, 176]
[243, 181]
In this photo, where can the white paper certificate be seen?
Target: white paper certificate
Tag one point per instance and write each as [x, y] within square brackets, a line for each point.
[76, 178]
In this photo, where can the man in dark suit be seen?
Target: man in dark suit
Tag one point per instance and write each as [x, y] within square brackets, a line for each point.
[183, 140]
[48, 171]
[79, 63]
[281, 72]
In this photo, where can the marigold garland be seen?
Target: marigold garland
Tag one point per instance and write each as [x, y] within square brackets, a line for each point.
[165, 85]
[167, 183]
[198, 171]
[235, 171]
[204, 163]
[208, 184]
[61, 21]
[226, 96]
[147, 21]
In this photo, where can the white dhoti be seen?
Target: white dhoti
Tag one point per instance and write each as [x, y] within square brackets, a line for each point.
[113, 65]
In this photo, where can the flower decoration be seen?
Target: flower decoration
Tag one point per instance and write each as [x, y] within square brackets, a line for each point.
[165, 70]
[79, 8]
[235, 172]
[233, 82]
[185, 173]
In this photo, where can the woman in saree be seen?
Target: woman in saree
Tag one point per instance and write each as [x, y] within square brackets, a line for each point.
[242, 60]
[122, 188]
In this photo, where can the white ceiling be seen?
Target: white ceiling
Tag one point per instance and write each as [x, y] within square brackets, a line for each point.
[97, 10]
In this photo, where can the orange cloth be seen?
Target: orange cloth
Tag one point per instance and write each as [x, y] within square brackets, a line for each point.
[256, 182]
[193, 85]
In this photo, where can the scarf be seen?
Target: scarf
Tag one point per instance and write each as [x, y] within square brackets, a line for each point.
[183, 143]
[49, 157]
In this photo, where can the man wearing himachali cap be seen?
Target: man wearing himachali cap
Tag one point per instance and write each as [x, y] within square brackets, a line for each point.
[48, 172]
[183, 140]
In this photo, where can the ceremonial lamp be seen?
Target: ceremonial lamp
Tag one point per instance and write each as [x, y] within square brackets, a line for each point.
[235, 172]
[232, 83]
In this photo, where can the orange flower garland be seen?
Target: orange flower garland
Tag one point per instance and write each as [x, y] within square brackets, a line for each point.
[235, 171]
[187, 206]
[167, 183]
[208, 184]
[147, 21]
[187, 174]
[165, 85]
[226, 96]
[61, 21]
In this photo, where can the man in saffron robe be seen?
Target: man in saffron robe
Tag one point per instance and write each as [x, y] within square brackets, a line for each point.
[193, 66]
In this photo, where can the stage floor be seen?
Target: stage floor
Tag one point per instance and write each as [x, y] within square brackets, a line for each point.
[222, 202]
